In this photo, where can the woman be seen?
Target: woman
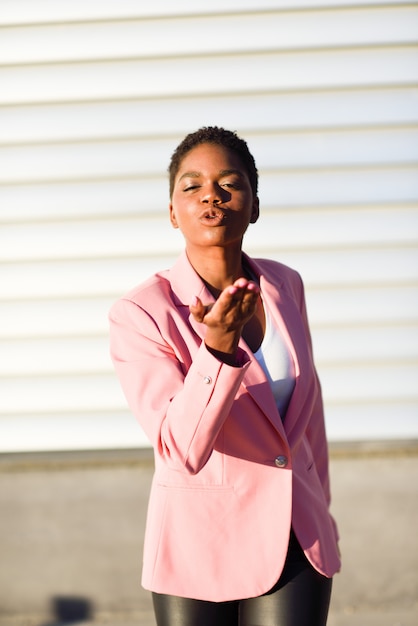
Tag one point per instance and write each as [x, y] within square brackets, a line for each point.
[215, 359]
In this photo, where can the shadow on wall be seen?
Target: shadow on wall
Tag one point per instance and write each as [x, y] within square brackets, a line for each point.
[70, 610]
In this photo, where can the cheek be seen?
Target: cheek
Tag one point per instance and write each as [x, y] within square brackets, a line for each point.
[179, 218]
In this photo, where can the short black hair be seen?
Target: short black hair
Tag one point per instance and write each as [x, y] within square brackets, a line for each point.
[218, 136]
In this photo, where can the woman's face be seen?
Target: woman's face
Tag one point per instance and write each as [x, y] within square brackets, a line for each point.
[212, 202]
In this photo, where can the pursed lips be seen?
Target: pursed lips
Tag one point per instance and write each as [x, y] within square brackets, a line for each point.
[213, 216]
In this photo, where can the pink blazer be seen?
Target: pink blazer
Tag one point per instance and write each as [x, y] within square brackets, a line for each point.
[230, 477]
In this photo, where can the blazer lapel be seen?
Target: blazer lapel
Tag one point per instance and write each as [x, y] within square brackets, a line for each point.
[258, 387]
[286, 317]
[186, 283]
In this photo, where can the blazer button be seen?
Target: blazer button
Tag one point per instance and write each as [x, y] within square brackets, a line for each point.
[207, 380]
[281, 460]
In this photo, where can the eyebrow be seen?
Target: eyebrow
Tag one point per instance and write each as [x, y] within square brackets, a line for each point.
[222, 173]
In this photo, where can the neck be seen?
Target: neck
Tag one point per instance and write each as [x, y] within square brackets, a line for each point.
[218, 267]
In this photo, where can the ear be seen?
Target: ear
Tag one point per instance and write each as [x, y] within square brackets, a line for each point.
[173, 219]
[256, 211]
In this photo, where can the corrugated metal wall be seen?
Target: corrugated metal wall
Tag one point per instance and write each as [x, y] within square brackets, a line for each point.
[95, 95]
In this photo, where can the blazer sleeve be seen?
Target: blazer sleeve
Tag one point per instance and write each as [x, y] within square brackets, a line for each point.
[181, 409]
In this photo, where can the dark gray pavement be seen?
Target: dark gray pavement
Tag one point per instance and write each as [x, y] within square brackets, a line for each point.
[71, 529]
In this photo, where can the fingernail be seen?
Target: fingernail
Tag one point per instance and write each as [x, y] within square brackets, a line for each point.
[194, 301]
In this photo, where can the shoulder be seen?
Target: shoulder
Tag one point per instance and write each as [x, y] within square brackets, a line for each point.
[277, 270]
[153, 288]
[279, 273]
[282, 277]
[152, 296]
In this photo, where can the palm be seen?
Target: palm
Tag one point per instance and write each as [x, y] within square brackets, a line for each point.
[233, 308]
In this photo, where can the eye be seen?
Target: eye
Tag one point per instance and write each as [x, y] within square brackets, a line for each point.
[190, 187]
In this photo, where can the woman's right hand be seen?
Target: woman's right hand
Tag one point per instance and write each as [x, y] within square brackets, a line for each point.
[226, 318]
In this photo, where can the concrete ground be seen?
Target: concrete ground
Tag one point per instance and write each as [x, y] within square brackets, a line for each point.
[71, 529]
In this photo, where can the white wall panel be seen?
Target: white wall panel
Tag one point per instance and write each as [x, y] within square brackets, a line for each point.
[146, 197]
[77, 278]
[94, 96]
[78, 199]
[100, 392]
[372, 420]
[44, 11]
[370, 304]
[266, 112]
[55, 356]
[58, 356]
[157, 37]
[282, 230]
[71, 431]
[80, 278]
[290, 150]
[194, 75]
[87, 431]
[333, 186]
[366, 381]
[366, 344]
[60, 394]
[330, 308]
[343, 267]
[80, 317]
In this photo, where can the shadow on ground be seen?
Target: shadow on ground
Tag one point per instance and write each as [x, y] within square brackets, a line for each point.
[70, 610]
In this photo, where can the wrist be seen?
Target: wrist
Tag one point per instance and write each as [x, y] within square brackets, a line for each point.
[229, 358]
[223, 341]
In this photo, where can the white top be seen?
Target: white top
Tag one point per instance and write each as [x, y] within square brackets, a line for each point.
[274, 357]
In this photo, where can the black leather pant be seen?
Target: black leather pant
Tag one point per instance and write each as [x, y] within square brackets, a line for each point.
[301, 597]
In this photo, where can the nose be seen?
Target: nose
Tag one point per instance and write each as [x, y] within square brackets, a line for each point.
[213, 194]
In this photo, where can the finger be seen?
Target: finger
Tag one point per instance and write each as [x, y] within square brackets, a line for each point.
[249, 301]
[197, 309]
[237, 286]
[242, 287]
[239, 301]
